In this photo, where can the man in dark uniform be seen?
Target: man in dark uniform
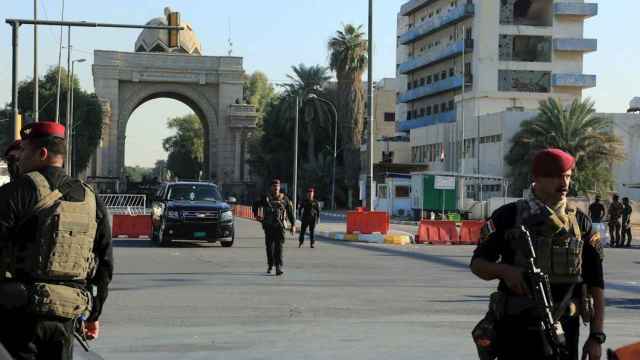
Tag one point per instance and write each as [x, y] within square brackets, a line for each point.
[615, 214]
[566, 250]
[12, 156]
[273, 210]
[310, 210]
[596, 211]
[56, 236]
[626, 222]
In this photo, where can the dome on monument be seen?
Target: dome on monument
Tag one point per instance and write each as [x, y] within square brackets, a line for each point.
[157, 40]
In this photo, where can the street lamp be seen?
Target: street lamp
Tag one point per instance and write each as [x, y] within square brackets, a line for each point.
[70, 147]
[335, 145]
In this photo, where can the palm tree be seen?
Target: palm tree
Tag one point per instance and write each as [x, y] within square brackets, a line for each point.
[307, 80]
[575, 129]
[348, 58]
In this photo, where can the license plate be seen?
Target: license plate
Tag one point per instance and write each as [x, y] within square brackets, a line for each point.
[199, 234]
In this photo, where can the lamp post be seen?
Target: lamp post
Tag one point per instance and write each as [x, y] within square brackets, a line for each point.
[335, 146]
[70, 125]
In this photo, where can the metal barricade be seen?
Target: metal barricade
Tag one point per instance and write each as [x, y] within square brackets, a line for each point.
[125, 204]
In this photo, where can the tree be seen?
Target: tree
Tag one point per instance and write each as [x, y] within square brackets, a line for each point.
[258, 91]
[575, 129]
[87, 128]
[186, 147]
[137, 173]
[348, 58]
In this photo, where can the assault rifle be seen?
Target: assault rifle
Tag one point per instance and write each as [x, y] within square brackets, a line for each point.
[551, 331]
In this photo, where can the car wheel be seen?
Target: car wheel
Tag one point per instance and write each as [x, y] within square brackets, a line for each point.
[228, 243]
[163, 239]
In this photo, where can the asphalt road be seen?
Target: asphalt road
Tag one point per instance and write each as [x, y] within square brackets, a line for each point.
[338, 301]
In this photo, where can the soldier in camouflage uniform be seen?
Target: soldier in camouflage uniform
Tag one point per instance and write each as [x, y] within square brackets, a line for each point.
[566, 249]
[615, 213]
[277, 215]
[57, 260]
[626, 222]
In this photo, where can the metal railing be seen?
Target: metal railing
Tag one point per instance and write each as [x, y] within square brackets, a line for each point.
[125, 204]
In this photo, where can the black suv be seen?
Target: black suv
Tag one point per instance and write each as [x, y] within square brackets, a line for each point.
[192, 211]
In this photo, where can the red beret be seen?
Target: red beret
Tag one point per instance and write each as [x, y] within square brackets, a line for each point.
[42, 129]
[13, 146]
[275, 182]
[552, 162]
[311, 190]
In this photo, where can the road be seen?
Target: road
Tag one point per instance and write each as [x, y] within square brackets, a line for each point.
[340, 300]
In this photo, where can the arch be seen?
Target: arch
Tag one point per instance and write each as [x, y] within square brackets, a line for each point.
[134, 95]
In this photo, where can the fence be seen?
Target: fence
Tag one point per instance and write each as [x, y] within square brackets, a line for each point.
[125, 204]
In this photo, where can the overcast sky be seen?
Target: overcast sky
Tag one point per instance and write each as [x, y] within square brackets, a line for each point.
[273, 35]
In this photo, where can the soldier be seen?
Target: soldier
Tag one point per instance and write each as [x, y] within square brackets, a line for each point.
[566, 250]
[615, 213]
[626, 222]
[310, 210]
[12, 156]
[56, 239]
[596, 211]
[276, 211]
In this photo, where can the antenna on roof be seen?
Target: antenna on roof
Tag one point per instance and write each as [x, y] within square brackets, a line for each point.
[229, 42]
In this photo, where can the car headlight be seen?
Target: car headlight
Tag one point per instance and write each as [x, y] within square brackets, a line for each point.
[226, 216]
[173, 214]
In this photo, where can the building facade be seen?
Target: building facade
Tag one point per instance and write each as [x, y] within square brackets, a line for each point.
[458, 60]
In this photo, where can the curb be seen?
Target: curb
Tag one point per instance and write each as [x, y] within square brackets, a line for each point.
[399, 239]
[396, 222]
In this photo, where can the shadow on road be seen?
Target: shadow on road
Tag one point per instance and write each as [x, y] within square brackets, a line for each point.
[469, 298]
[435, 259]
[628, 304]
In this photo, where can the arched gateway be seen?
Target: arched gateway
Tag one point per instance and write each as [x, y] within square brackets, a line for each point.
[210, 85]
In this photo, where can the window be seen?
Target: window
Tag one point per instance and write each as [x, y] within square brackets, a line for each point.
[429, 110]
[421, 81]
[443, 107]
[436, 109]
[524, 81]
[438, 12]
[408, 115]
[443, 74]
[409, 85]
[429, 79]
[389, 117]
[415, 83]
[436, 77]
[382, 191]
[451, 105]
[430, 15]
[451, 72]
[403, 191]
[525, 48]
[421, 112]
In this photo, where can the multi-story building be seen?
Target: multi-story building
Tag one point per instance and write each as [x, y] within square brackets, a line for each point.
[460, 59]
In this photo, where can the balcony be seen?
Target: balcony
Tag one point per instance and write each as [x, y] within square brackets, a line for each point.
[450, 83]
[442, 118]
[579, 45]
[413, 6]
[432, 25]
[433, 57]
[573, 80]
[575, 9]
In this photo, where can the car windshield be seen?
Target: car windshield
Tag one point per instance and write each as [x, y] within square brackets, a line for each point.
[194, 193]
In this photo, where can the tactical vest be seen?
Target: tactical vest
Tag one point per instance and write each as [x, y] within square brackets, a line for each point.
[275, 212]
[62, 251]
[558, 246]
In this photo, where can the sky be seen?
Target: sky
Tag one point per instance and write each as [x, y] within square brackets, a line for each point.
[272, 36]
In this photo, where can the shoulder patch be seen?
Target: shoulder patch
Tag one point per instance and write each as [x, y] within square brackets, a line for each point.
[596, 242]
[487, 229]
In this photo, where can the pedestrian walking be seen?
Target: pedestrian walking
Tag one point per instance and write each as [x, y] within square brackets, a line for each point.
[568, 255]
[615, 215]
[310, 216]
[626, 222]
[57, 258]
[275, 211]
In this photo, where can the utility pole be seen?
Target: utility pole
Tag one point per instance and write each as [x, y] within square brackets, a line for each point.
[295, 160]
[68, 124]
[36, 109]
[14, 78]
[370, 107]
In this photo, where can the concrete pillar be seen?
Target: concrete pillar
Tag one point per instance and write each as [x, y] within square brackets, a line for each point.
[237, 138]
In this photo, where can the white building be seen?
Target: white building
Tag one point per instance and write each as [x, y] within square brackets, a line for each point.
[460, 59]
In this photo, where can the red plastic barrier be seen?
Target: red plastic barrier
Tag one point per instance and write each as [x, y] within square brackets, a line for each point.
[131, 225]
[437, 232]
[367, 222]
[243, 211]
[470, 232]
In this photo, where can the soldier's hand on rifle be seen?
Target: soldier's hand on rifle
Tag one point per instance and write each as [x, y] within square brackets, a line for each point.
[92, 330]
[513, 277]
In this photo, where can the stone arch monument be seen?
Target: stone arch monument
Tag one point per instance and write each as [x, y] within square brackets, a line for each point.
[210, 85]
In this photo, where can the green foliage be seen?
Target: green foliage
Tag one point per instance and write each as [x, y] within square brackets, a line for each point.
[575, 129]
[87, 128]
[258, 91]
[137, 173]
[186, 147]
